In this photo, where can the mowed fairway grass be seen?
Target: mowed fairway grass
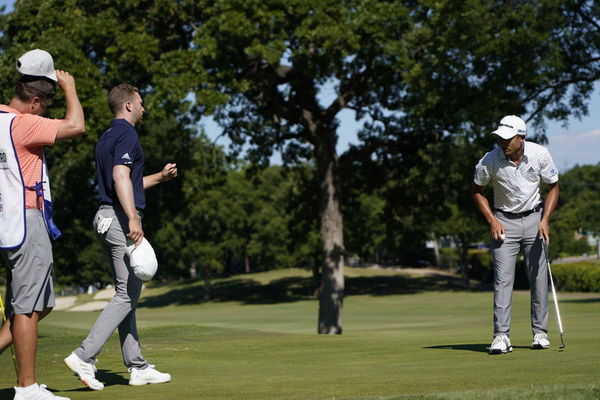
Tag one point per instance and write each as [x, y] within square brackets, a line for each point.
[401, 343]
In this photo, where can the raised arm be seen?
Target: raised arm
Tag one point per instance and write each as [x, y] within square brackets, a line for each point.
[168, 172]
[73, 125]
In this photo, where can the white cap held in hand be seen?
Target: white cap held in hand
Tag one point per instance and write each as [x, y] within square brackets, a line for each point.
[143, 260]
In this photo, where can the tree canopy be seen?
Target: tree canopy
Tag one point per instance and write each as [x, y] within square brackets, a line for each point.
[428, 79]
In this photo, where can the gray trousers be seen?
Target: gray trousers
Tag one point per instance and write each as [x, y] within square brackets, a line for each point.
[521, 233]
[120, 311]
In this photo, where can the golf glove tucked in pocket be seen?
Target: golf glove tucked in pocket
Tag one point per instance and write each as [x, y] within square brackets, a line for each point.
[103, 225]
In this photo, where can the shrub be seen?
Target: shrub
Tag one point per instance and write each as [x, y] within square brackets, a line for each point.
[481, 265]
[577, 277]
[480, 262]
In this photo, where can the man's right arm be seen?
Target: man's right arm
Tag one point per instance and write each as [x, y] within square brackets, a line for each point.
[73, 125]
[124, 188]
[496, 228]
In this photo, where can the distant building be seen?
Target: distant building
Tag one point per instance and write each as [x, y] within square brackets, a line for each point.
[591, 237]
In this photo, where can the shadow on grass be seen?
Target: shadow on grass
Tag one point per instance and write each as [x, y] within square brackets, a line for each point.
[293, 289]
[104, 376]
[476, 347]
[581, 301]
[111, 378]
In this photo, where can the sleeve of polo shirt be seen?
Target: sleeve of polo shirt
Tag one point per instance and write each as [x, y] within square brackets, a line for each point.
[548, 172]
[35, 131]
[125, 150]
[482, 173]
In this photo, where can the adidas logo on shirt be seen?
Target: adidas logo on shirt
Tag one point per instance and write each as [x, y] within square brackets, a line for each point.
[126, 156]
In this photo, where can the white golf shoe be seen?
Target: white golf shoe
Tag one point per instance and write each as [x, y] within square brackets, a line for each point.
[140, 377]
[36, 392]
[85, 371]
[501, 344]
[540, 341]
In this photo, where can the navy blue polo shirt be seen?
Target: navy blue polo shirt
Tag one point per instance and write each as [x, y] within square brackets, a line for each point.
[120, 145]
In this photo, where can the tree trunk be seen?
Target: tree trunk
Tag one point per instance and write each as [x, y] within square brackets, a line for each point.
[331, 293]
[193, 270]
[206, 283]
[436, 250]
[247, 263]
[464, 261]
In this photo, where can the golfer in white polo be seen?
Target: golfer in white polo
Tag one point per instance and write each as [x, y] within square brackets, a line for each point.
[515, 169]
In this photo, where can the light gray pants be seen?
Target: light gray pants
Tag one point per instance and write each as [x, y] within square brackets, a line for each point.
[120, 311]
[521, 233]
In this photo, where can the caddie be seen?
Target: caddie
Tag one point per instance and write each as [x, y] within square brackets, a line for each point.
[26, 206]
[515, 168]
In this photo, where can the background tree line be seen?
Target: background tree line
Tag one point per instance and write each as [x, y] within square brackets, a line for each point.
[428, 81]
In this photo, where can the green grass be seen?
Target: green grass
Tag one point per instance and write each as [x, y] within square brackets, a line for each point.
[413, 344]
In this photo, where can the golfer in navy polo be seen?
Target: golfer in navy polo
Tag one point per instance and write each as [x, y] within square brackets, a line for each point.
[121, 183]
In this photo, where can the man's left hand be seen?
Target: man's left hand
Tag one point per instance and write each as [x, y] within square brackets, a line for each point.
[168, 172]
[543, 231]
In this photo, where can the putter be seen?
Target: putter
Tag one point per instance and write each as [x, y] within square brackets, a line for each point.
[12, 349]
[560, 327]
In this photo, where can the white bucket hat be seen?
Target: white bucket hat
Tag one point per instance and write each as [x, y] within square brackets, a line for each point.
[143, 260]
[511, 126]
[37, 63]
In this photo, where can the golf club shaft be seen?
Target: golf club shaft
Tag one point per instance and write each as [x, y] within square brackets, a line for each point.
[560, 327]
[555, 299]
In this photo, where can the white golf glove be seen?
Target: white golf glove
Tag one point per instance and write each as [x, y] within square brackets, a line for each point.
[103, 225]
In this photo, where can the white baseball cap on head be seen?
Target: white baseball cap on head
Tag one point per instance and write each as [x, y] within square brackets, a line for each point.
[510, 126]
[37, 63]
[142, 260]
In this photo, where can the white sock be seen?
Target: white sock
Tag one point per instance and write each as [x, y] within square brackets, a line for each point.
[27, 388]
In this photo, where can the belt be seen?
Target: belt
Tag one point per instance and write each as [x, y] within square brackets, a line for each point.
[104, 206]
[521, 214]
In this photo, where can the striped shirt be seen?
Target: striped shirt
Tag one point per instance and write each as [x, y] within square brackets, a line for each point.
[516, 186]
[30, 134]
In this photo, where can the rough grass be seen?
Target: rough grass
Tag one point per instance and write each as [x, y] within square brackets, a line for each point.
[411, 344]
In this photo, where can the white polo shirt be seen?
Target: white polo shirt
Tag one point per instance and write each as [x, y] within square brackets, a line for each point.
[516, 186]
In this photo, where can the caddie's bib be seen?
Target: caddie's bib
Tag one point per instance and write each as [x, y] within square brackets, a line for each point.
[12, 188]
[12, 191]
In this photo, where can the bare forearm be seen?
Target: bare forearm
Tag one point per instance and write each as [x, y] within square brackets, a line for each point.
[74, 114]
[73, 125]
[483, 205]
[124, 190]
[168, 172]
[152, 180]
[551, 201]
